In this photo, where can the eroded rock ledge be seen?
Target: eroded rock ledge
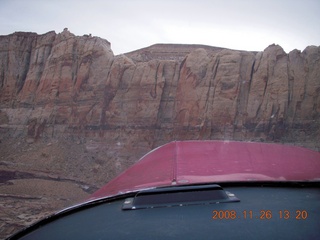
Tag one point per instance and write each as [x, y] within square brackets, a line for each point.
[55, 84]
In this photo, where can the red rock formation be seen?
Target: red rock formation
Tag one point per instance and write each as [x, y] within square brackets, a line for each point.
[63, 84]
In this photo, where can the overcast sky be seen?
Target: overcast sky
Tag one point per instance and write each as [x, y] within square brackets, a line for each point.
[133, 24]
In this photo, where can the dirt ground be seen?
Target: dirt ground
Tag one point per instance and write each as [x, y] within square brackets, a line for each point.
[43, 177]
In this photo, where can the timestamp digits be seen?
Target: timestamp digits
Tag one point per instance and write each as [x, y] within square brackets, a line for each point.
[261, 215]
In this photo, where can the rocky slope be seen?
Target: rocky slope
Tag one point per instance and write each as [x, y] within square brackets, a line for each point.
[72, 111]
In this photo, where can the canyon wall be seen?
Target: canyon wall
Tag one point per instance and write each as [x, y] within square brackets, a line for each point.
[61, 84]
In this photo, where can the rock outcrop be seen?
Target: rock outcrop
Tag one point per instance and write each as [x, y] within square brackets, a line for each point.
[71, 89]
[56, 84]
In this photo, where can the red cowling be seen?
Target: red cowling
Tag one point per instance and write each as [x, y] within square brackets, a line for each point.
[189, 162]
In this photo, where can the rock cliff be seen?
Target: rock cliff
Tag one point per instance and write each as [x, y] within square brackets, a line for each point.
[56, 84]
[84, 115]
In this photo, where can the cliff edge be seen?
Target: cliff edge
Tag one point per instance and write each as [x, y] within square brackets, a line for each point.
[55, 84]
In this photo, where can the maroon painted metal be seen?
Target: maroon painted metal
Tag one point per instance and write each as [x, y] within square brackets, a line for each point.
[190, 162]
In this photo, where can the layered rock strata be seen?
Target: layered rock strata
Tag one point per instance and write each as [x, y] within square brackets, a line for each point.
[56, 84]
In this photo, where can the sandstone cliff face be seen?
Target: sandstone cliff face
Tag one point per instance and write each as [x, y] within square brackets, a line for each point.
[72, 114]
[55, 84]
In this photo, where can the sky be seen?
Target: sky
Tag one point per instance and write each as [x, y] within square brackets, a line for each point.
[133, 24]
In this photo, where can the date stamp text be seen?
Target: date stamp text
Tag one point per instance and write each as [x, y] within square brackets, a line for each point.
[260, 215]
